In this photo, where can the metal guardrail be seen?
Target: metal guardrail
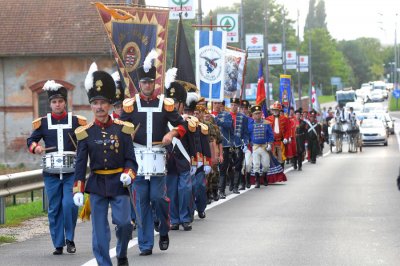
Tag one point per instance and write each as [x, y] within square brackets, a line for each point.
[12, 184]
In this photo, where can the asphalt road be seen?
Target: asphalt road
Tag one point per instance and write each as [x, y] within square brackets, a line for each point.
[342, 211]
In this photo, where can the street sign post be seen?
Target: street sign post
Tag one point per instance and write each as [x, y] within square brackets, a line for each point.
[230, 25]
[185, 7]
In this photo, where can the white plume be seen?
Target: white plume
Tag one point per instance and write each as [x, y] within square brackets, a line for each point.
[170, 76]
[89, 76]
[147, 64]
[51, 85]
[115, 76]
[192, 97]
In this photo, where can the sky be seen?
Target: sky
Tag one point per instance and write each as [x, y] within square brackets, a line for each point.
[346, 19]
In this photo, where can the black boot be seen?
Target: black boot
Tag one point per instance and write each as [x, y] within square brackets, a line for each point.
[242, 182]
[215, 194]
[265, 179]
[257, 180]
[236, 183]
[231, 181]
[209, 197]
[294, 163]
[248, 180]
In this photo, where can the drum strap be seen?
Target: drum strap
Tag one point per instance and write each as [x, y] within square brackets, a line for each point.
[312, 127]
[149, 117]
[178, 143]
[60, 128]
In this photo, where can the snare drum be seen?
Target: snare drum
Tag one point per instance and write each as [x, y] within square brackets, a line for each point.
[151, 162]
[55, 163]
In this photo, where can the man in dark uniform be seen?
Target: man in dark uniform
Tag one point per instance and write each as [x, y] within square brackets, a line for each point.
[240, 141]
[153, 114]
[313, 136]
[180, 159]
[57, 131]
[113, 167]
[225, 123]
[119, 96]
[301, 137]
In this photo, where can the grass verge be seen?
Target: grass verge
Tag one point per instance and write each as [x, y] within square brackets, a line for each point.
[392, 104]
[19, 213]
[326, 98]
[7, 239]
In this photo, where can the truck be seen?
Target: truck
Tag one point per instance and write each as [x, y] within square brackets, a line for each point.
[344, 96]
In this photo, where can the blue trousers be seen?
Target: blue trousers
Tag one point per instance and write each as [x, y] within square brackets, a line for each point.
[179, 191]
[151, 194]
[101, 236]
[62, 212]
[199, 191]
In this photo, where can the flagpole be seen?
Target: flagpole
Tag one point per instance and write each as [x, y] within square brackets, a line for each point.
[309, 69]
[298, 60]
[266, 51]
[199, 15]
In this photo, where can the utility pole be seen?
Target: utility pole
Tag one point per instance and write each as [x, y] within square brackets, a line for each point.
[283, 41]
[200, 13]
[395, 55]
[242, 44]
[266, 51]
[298, 59]
[309, 69]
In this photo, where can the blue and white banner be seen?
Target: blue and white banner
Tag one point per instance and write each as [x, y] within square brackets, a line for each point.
[285, 92]
[210, 64]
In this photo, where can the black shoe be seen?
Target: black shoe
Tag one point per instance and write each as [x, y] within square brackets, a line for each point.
[70, 246]
[235, 191]
[202, 215]
[187, 226]
[58, 251]
[134, 225]
[174, 227]
[230, 187]
[215, 196]
[300, 169]
[295, 166]
[222, 195]
[123, 261]
[242, 187]
[313, 162]
[265, 180]
[146, 252]
[164, 242]
[157, 226]
[209, 200]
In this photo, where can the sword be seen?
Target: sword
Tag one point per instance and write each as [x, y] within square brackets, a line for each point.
[138, 219]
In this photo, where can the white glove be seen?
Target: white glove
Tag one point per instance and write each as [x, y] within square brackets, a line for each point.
[268, 147]
[199, 164]
[193, 170]
[125, 179]
[306, 144]
[284, 141]
[207, 169]
[244, 149]
[78, 199]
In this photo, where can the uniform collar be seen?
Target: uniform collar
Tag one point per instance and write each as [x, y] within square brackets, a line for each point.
[100, 124]
[59, 117]
[151, 98]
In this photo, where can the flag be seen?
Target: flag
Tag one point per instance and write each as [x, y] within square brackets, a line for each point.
[314, 100]
[285, 92]
[133, 32]
[235, 61]
[260, 98]
[210, 64]
[292, 102]
[182, 59]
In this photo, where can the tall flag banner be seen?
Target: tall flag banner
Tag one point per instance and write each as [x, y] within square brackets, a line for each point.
[285, 93]
[133, 32]
[182, 59]
[314, 100]
[210, 64]
[293, 101]
[260, 98]
[235, 62]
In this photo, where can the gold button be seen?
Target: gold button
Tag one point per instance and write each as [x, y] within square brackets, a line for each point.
[104, 144]
[105, 160]
[105, 151]
[105, 168]
[102, 128]
[104, 136]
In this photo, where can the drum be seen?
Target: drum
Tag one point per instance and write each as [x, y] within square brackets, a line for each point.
[55, 163]
[151, 162]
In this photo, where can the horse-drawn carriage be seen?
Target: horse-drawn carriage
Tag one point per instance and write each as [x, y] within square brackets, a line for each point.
[341, 131]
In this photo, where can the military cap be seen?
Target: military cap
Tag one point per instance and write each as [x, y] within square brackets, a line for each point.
[255, 108]
[245, 104]
[55, 90]
[99, 85]
[235, 100]
[147, 72]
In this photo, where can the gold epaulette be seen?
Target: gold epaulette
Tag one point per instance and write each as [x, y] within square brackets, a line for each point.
[169, 104]
[127, 105]
[195, 119]
[81, 133]
[82, 121]
[127, 127]
[204, 128]
[36, 123]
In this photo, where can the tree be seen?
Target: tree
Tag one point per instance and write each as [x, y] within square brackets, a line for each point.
[310, 16]
[320, 15]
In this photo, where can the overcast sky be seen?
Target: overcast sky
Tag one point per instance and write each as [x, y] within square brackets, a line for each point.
[346, 19]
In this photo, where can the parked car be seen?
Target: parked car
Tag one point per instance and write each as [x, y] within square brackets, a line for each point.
[381, 86]
[373, 131]
[390, 122]
[377, 96]
[374, 107]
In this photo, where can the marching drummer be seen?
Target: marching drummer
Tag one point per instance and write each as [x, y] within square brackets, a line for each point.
[57, 131]
[113, 167]
[152, 113]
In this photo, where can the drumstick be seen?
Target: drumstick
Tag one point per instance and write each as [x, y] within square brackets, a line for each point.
[157, 142]
[72, 140]
[134, 131]
[49, 148]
